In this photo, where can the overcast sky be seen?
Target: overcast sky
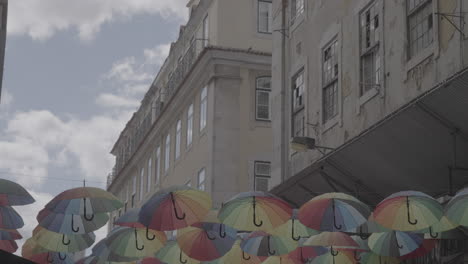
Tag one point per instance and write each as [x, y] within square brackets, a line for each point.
[75, 71]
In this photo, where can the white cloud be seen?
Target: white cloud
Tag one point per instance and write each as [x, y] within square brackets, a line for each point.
[7, 98]
[157, 55]
[41, 19]
[128, 69]
[112, 101]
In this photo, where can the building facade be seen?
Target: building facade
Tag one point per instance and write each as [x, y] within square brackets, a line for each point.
[205, 121]
[376, 91]
[3, 33]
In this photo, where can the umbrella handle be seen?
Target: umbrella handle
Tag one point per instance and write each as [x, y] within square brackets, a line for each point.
[85, 216]
[433, 235]
[334, 216]
[398, 245]
[292, 233]
[180, 258]
[356, 257]
[208, 236]
[302, 257]
[222, 233]
[243, 256]
[175, 209]
[415, 222]
[73, 225]
[63, 240]
[362, 235]
[48, 258]
[254, 205]
[148, 237]
[60, 256]
[136, 241]
[333, 252]
[271, 252]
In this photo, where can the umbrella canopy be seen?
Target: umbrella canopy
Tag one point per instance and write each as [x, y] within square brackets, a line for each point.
[337, 240]
[52, 257]
[70, 223]
[342, 258]
[371, 258]
[437, 230]
[84, 201]
[12, 193]
[282, 260]
[369, 227]
[171, 253]
[293, 228]
[363, 247]
[255, 211]
[106, 255]
[175, 208]
[99, 260]
[408, 211]
[206, 241]
[394, 243]
[456, 211]
[61, 242]
[334, 212]
[424, 249]
[150, 261]
[305, 253]
[8, 246]
[31, 248]
[262, 244]
[130, 219]
[133, 242]
[237, 256]
[9, 218]
[9, 234]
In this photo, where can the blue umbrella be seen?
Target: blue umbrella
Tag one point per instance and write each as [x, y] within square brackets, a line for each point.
[9, 218]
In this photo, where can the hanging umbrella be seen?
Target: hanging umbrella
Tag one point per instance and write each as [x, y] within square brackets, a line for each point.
[255, 211]
[408, 211]
[85, 201]
[237, 256]
[369, 227]
[70, 223]
[262, 244]
[334, 212]
[8, 246]
[132, 242]
[130, 219]
[61, 242]
[439, 229]
[106, 255]
[53, 257]
[394, 243]
[150, 261]
[282, 260]
[334, 240]
[342, 258]
[424, 249]
[99, 260]
[9, 218]
[456, 211]
[171, 253]
[9, 234]
[363, 247]
[31, 248]
[305, 253]
[206, 241]
[12, 194]
[371, 258]
[174, 208]
[293, 228]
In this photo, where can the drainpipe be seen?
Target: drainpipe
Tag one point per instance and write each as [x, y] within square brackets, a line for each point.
[284, 101]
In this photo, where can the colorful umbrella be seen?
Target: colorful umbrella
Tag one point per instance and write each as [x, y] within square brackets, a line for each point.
[394, 243]
[426, 247]
[371, 258]
[363, 247]
[99, 260]
[105, 254]
[437, 230]
[342, 258]
[174, 208]
[305, 253]
[237, 256]
[408, 211]
[262, 244]
[456, 210]
[61, 242]
[31, 248]
[8, 246]
[150, 261]
[9, 234]
[255, 211]
[70, 223]
[9, 218]
[206, 241]
[337, 240]
[369, 227]
[293, 228]
[171, 253]
[130, 219]
[12, 193]
[84, 201]
[132, 242]
[334, 212]
[52, 257]
[282, 260]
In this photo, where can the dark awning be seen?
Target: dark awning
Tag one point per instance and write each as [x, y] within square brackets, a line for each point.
[412, 149]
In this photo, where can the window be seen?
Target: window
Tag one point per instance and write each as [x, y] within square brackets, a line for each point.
[297, 9]
[330, 81]
[178, 138]
[127, 190]
[206, 32]
[201, 180]
[190, 125]
[134, 190]
[142, 183]
[298, 117]
[2, 16]
[188, 183]
[157, 165]
[265, 18]
[150, 175]
[263, 89]
[262, 176]
[203, 108]
[420, 25]
[370, 49]
[167, 154]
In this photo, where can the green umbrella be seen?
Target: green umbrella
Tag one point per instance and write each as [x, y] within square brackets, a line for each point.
[171, 253]
[456, 210]
[60, 242]
[12, 193]
[262, 244]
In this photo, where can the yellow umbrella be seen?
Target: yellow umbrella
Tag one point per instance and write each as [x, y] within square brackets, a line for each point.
[293, 228]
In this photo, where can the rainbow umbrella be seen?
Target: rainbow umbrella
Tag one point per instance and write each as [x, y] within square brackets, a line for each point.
[371, 258]
[132, 242]
[174, 208]
[8, 246]
[363, 247]
[408, 211]
[106, 255]
[334, 240]
[439, 230]
[293, 228]
[12, 194]
[130, 219]
[282, 260]
[456, 210]
[369, 227]
[31, 248]
[52, 257]
[57, 242]
[342, 258]
[394, 243]
[262, 244]
[206, 241]
[255, 211]
[237, 256]
[9, 234]
[424, 249]
[9, 218]
[334, 212]
[171, 253]
[70, 223]
[85, 201]
[305, 253]
[99, 260]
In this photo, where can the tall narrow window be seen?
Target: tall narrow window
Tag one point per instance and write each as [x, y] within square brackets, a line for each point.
[134, 190]
[127, 190]
[142, 183]
[263, 89]
[262, 176]
[167, 155]
[297, 9]
[190, 125]
[298, 116]
[178, 138]
[157, 165]
[420, 25]
[206, 31]
[330, 81]
[149, 175]
[2, 15]
[201, 180]
[370, 49]
[203, 108]
[265, 18]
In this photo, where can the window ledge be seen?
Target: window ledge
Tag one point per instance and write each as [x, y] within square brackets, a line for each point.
[419, 58]
[367, 96]
[296, 22]
[330, 123]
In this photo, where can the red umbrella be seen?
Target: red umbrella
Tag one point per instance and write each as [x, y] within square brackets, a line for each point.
[8, 246]
[426, 247]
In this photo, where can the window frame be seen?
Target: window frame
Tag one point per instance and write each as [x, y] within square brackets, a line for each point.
[295, 111]
[189, 135]
[413, 12]
[157, 165]
[294, 16]
[142, 183]
[178, 139]
[270, 18]
[201, 183]
[203, 108]
[262, 176]
[167, 153]
[149, 174]
[257, 90]
[329, 84]
[134, 187]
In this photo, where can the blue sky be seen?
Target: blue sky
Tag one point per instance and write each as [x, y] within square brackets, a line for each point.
[75, 71]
